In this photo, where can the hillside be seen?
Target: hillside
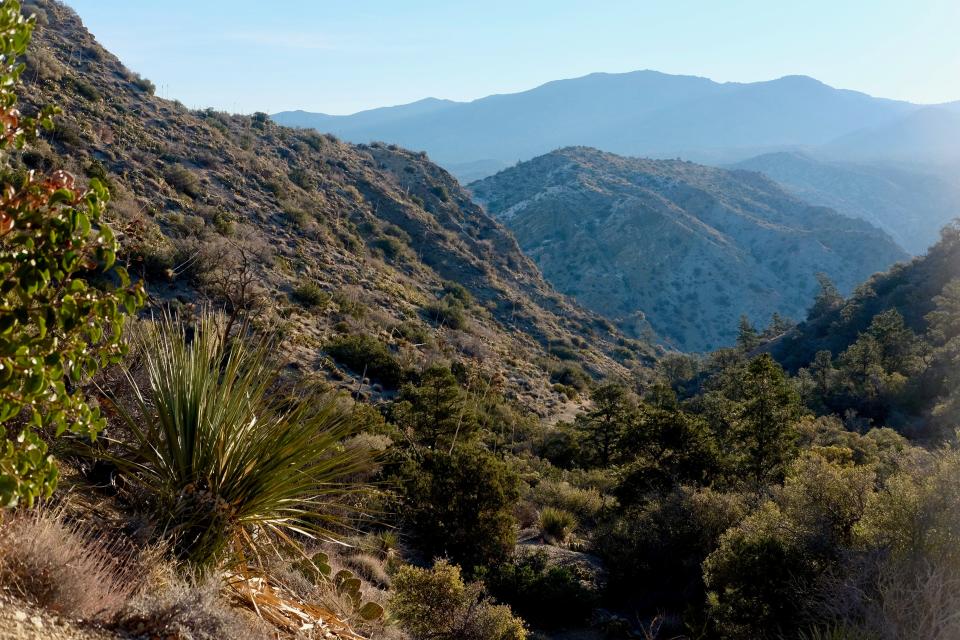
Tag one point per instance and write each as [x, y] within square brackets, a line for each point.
[909, 288]
[910, 204]
[685, 247]
[328, 239]
[639, 113]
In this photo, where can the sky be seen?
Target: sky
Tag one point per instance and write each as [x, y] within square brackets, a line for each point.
[342, 56]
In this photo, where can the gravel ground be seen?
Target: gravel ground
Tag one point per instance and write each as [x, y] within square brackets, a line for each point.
[20, 621]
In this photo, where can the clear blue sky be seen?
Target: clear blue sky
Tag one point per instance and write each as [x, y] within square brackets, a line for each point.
[340, 56]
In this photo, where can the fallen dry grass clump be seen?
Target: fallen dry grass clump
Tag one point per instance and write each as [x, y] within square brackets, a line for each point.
[62, 567]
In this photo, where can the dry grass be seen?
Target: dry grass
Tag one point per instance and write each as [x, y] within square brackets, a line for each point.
[63, 568]
[187, 610]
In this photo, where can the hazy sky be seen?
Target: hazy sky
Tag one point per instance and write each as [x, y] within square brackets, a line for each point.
[340, 56]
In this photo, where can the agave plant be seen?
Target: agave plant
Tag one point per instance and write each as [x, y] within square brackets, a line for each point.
[229, 463]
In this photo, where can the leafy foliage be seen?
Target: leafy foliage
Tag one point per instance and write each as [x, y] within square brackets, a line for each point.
[62, 297]
[436, 603]
[459, 504]
[365, 355]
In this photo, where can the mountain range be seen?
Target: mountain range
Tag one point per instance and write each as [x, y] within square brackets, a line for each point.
[675, 247]
[370, 246]
[646, 113]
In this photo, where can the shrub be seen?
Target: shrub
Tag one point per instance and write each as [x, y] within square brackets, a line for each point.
[224, 457]
[56, 327]
[544, 594]
[309, 294]
[556, 525]
[437, 604]
[460, 504]
[85, 90]
[61, 567]
[656, 549]
[584, 503]
[570, 375]
[193, 610]
[364, 354]
[183, 180]
[143, 84]
[447, 312]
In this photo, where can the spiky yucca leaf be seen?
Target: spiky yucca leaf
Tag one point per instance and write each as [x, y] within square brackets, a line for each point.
[229, 463]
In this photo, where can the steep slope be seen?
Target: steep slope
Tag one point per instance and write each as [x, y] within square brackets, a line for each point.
[909, 203]
[639, 113]
[909, 287]
[687, 248]
[328, 239]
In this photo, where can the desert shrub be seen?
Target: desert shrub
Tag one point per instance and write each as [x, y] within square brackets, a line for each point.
[46, 67]
[458, 292]
[85, 89]
[143, 84]
[310, 294]
[187, 610]
[298, 216]
[224, 458]
[556, 525]
[390, 247]
[437, 604]
[560, 446]
[757, 577]
[364, 354]
[449, 311]
[570, 375]
[183, 180]
[544, 594]
[656, 549]
[62, 300]
[63, 568]
[459, 505]
[584, 503]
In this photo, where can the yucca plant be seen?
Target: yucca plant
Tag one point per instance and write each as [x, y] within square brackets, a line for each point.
[228, 463]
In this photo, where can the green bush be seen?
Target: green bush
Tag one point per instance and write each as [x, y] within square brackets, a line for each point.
[570, 375]
[459, 505]
[309, 294]
[364, 354]
[437, 604]
[183, 180]
[546, 595]
[57, 328]
[556, 525]
[143, 84]
[449, 311]
[228, 462]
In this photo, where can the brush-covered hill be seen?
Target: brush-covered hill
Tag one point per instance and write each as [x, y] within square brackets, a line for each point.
[372, 248]
[909, 203]
[910, 288]
[684, 247]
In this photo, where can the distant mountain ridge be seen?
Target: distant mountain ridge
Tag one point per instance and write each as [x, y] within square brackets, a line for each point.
[910, 204]
[641, 113]
[681, 248]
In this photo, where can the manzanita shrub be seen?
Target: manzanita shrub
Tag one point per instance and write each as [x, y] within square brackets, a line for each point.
[62, 297]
